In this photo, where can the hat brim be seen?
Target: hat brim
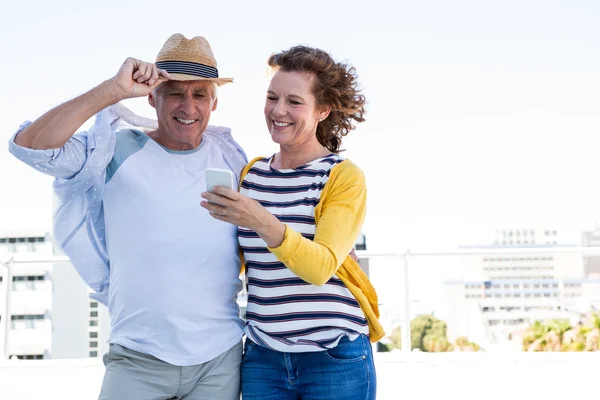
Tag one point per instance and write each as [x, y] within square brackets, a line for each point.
[186, 77]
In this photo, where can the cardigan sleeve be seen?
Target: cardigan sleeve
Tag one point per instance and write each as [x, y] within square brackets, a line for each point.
[342, 211]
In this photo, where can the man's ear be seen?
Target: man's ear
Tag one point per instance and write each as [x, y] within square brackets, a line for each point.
[214, 107]
[152, 99]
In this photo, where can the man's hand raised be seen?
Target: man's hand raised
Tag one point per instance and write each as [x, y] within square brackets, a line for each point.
[53, 129]
[137, 78]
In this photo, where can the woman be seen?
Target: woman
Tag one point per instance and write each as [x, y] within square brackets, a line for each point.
[311, 310]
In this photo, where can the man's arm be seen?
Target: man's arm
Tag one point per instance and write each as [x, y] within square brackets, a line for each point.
[53, 129]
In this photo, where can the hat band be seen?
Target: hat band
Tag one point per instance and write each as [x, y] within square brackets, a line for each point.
[188, 68]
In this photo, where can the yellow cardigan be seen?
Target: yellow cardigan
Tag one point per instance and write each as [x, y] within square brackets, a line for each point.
[339, 217]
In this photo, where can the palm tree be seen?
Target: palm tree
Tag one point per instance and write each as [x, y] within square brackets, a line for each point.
[559, 335]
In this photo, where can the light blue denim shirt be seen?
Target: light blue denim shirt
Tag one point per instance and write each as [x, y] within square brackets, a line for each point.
[80, 168]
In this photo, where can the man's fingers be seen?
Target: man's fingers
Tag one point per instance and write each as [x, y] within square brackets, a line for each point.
[156, 83]
[149, 71]
[164, 73]
[153, 75]
[138, 72]
[137, 68]
[144, 74]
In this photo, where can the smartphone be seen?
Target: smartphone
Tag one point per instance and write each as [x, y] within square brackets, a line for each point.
[219, 177]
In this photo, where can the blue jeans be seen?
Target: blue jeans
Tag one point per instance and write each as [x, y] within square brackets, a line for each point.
[346, 372]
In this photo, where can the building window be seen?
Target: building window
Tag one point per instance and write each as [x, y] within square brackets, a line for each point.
[93, 304]
[93, 313]
[29, 356]
[93, 354]
[93, 323]
[93, 335]
[93, 345]
[27, 321]
[27, 282]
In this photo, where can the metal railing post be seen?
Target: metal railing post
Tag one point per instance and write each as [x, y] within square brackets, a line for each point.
[5, 323]
[405, 326]
[405, 329]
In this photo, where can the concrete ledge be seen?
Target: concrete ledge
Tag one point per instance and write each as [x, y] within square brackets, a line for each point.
[488, 375]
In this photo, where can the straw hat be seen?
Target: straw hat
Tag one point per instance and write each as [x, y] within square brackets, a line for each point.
[189, 60]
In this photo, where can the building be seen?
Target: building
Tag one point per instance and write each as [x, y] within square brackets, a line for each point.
[499, 293]
[361, 244]
[591, 263]
[51, 314]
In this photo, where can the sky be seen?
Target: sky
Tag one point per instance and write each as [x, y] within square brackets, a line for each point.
[481, 115]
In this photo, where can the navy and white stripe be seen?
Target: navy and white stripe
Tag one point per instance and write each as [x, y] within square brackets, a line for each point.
[188, 68]
[284, 312]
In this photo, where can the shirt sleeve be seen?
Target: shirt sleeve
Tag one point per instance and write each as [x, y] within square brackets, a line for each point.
[64, 162]
[343, 211]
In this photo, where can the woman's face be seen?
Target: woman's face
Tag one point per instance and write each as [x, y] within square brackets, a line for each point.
[291, 111]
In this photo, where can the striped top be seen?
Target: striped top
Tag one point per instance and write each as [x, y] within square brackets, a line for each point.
[284, 312]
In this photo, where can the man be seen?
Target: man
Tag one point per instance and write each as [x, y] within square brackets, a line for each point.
[131, 222]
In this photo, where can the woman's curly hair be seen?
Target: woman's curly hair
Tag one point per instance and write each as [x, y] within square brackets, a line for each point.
[335, 85]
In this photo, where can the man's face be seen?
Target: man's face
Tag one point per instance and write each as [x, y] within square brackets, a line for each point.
[183, 110]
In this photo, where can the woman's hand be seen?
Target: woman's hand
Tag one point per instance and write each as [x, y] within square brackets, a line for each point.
[230, 206]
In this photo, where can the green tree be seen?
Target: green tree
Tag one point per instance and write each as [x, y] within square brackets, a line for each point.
[428, 333]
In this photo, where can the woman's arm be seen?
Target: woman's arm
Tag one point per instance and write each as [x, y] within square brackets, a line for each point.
[343, 208]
